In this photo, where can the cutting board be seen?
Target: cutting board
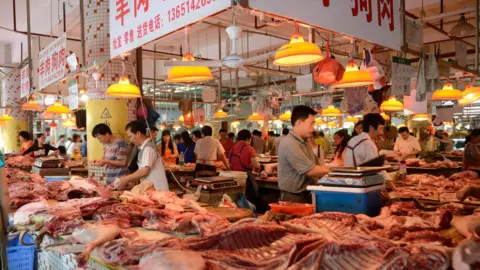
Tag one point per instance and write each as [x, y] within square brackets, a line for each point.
[232, 214]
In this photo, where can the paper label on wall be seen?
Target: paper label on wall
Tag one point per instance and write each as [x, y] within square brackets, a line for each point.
[376, 21]
[73, 95]
[52, 62]
[401, 76]
[24, 81]
[414, 34]
[137, 22]
[461, 53]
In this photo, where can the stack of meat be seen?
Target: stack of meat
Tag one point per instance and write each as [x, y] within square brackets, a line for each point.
[415, 162]
[23, 162]
[458, 153]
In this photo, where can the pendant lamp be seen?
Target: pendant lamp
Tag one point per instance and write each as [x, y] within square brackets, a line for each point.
[297, 53]
[57, 108]
[470, 95]
[161, 127]
[5, 118]
[286, 116]
[83, 95]
[421, 117]
[351, 119]
[354, 77]
[391, 105]
[123, 89]
[220, 114]
[319, 121]
[176, 127]
[185, 74]
[385, 116]
[32, 105]
[331, 112]
[447, 93]
[462, 28]
[331, 124]
[255, 117]
[181, 119]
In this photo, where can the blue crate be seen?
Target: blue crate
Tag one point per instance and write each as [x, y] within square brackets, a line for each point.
[21, 257]
[348, 200]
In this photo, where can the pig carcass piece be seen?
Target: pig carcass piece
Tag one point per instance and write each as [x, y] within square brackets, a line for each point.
[64, 190]
[131, 212]
[187, 223]
[62, 220]
[401, 217]
[17, 175]
[88, 206]
[22, 193]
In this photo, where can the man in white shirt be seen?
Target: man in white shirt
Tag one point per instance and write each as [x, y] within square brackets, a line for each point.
[361, 148]
[406, 145]
[208, 150]
[150, 164]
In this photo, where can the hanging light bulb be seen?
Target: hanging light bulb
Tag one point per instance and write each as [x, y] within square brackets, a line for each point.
[385, 116]
[354, 77]
[32, 105]
[220, 114]
[421, 117]
[83, 95]
[123, 89]
[184, 74]
[331, 111]
[57, 108]
[462, 28]
[297, 53]
[351, 119]
[391, 105]
[447, 93]
[286, 116]
[255, 117]
[176, 127]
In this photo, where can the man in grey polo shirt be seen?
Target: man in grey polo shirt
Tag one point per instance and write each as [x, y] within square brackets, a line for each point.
[297, 165]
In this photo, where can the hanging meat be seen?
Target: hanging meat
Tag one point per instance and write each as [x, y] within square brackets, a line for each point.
[328, 70]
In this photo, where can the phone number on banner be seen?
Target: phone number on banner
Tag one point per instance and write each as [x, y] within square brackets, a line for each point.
[186, 8]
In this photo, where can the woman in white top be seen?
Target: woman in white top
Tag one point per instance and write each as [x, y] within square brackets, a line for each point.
[73, 147]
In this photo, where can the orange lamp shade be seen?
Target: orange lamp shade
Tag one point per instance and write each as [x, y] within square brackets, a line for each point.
[385, 117]
[354, 77]
[391, 105]
[184, 74]
[331, 124]
[421, 117]
[447, 93]
[5, 118]
[331, 112]
[123, 89]
[297, 53]
[319, 121]
[255, 117]
[286, 116]
[220, 114]
[470, 95]
[351, 119]
[57, 108]
[32, 105]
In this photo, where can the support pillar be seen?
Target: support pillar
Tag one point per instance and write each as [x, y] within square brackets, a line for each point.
[11, 97]
[102, 109]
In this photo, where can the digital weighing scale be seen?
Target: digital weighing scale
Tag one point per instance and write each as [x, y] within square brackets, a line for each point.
[214, 183]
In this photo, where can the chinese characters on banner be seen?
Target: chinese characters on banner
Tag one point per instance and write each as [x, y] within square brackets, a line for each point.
[52, 62]
[73, 95]
[376, 21]
[24, 81]
[137, 22]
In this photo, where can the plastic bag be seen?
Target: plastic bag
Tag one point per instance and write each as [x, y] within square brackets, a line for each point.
[242, 202]
[227, 202]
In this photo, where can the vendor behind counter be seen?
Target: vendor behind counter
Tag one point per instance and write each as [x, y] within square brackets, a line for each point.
[297, 164]
[40, 148]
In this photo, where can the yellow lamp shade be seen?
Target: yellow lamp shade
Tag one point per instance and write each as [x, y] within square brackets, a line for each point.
[183, 74]
[57, 108]
[351, 119]
[220, 114]
[123, 89]
[297, 53]
[69, 123]
[354, 77]
[471, 90]
[319, 121]
[385, 116]
[255, 117]
[447, 93]
[331, 112]
[470, 95]
[181, 119]
[331, 124]
[286, 116]
[391, 105]
[421, 117]
[5, 118]
[32, 105]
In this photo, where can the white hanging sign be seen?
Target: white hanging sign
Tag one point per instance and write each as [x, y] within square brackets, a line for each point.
[401, 76]
[376, 21]
[137, 22]
[24, 81]
[52, 62]
[73, 95]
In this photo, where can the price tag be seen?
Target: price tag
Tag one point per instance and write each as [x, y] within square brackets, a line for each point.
[401, 76]
[73, 95]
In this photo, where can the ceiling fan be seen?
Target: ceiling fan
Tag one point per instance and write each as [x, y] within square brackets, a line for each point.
[234, 60]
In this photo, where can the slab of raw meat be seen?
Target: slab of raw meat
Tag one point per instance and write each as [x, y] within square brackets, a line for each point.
[459, 209]
[173, 260]
[463, 175]
[159, 220]
[413, 192]
[22, 193]
[137, 199]
[207, 223]
[125, 251]
[64, 190]
[371, 254]
[129, 211]
[22, 215]
[62, 221]
[19, 162]
[143, 234]
[88, 206]
[428, 237]
[332, 225]
[17, 175]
